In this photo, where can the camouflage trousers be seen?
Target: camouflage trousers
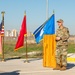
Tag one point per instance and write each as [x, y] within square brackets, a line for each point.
[61, 55]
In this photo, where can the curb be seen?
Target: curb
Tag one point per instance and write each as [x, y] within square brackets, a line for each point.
[70, 59]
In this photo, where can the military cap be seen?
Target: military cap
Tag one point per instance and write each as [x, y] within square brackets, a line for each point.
[60, 20]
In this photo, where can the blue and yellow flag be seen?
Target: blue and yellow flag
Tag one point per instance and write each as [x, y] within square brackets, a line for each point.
[47, 28]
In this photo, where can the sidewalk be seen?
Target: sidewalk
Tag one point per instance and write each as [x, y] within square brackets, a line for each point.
[35, 67]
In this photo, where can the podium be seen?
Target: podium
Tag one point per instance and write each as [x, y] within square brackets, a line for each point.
[49, 46]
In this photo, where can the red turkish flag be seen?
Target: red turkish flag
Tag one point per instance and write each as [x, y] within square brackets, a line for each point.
[23, 31]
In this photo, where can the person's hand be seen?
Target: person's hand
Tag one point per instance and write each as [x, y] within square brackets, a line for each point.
[57, 38]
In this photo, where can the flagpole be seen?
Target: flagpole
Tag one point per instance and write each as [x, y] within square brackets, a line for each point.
[26, 52]
[3, 35]
[26, 45]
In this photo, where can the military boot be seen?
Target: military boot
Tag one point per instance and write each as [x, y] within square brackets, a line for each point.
[63, 68]
[58, 67]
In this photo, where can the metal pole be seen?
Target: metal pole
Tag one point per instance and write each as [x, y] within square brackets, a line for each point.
[3, 35]
[26, 45]
[47, 9]
[26, 52]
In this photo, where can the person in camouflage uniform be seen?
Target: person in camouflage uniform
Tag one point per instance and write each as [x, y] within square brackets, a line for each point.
[62, 35]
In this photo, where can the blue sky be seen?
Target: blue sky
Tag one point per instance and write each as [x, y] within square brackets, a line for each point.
[36, 13]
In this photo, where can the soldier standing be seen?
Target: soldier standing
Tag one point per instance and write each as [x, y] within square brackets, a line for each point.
[62, 35]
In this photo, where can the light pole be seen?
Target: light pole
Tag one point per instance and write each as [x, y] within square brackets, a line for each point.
[47, 9]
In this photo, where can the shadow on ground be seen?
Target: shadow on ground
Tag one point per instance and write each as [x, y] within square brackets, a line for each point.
[32, 59]
[12, 58]
[10, 73]
[70, 65]
[29, 59]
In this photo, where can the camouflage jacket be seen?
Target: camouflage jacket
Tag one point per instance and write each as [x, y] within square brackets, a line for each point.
[64, 35]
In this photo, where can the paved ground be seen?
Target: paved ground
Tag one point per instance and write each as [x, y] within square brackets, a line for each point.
[35, 67]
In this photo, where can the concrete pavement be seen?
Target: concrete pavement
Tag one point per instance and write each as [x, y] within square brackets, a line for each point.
[35, 67]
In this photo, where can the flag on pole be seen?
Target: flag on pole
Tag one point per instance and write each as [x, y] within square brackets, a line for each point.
[49, 44]
[47, 32]
[23, 31]
[1, 38]
[46, 28]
